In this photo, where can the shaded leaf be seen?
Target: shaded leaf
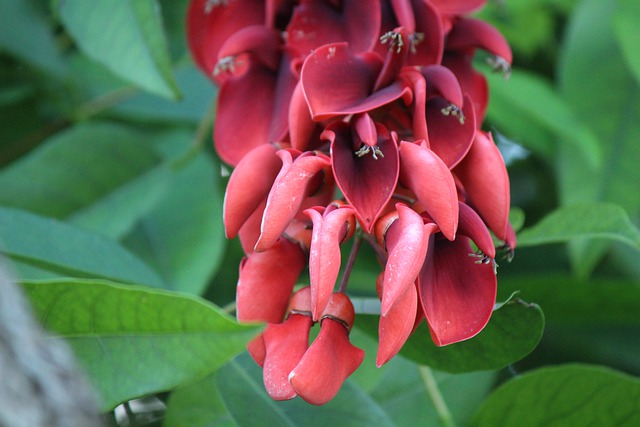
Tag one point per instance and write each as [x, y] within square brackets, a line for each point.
[593, 220]
[136, 341]
[125, 36]
[241, 382]
[572, 395]
[512, 333]
[625, 25]
[53, 245]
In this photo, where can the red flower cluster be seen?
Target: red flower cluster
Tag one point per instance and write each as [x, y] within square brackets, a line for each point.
[374, 103]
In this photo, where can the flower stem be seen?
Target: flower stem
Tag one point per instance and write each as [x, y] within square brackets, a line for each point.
[202, 133]
[352, 259]
[436, 397]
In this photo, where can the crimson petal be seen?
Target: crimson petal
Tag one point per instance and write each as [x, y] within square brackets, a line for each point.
[396, 326]
[367, 182]
[326, 364]
[456, 293]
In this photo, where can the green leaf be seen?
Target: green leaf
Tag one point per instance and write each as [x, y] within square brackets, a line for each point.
[626, 18]
[571, 395]
[525, 101]
[512, 333]
[97, 175]
[136, 341]
[603, 93]
[126, 36]
[62, 248]
[183, 236]
[25, 33]
[240, 382]
[593, 220]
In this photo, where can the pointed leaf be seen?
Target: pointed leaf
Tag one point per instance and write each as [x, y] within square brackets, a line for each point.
[125, 36]
[135, 341]
[569, 395]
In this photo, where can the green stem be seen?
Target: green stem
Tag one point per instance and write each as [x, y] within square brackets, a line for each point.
[352, 259]
[436, 397]
[202, 134]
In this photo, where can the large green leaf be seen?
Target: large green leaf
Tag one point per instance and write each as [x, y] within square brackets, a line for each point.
[587, 220]
[183, 236]
[526, 101]
[572, 395]
[603, 93]
[25, 33]
[62, 248]
[240, 382]
[136, 341]
[626, 20]
[512, 333]
[126, 36]
[98, 175]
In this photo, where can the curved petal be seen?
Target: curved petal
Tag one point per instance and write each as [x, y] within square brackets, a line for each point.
[263, 43]
[301, 126]
[328, 362]
[316, 23]
[287, 194]
[442, 82]
[407, 241]
[457, 295]
[324, 255]
[285, 344]
[250, 230]
[367, 181]
[249, 184]
[472, 226]
[430, 179]
[209, 27]
[468, 34]
[484, 177]
[427, 41]
[458, 7]
[396, 326]
[266, 282]
[451, 133]
[472, 82]
[257, 350]
[336, 82]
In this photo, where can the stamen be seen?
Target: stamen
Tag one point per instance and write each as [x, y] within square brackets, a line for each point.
[210, 4]
[499, 64]
[482, 258]
[395, 40]
[509, 253]
[365, 149]
[454, 111]
[226, 64]
[414, 40]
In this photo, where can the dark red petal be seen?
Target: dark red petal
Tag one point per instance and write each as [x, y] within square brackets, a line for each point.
[301, 126]
[326, 364]
[336, 82]
[316, 23]
[207, 30]
[486, 182]
[442, 82]
[429, 50]
[324, 255]
[264, 45]
[457, 295]
[407, 241]
[396, 326]
[248, 186]
[472, 226]
[472, 82]
[468, 34]
[288, 193]
[285, 343]
[366, 182]
[458, 7]
[449, 137]
[266, 282]
[430, 179]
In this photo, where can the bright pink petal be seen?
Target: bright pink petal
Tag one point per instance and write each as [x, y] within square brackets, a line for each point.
[328, 362]
[248, 186]
[422, 171]
[457, 294]
[286, 344]
[324, 255]
[266, 282]
[396, 326]
[336, 82]
[486, 182]
[289, 190]
[209, 27]
[407, 241]
[451, 132]
[366, 181]
[316, 23]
